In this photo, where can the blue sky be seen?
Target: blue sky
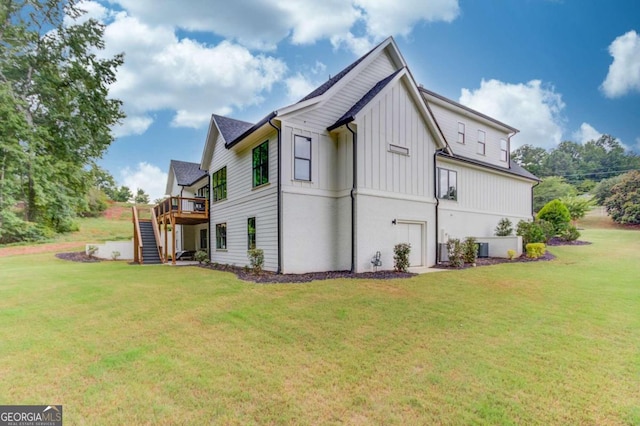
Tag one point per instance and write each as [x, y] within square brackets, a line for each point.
[556, 70]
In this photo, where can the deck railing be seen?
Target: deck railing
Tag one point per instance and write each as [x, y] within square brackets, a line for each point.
[182, 205]
[137, 240]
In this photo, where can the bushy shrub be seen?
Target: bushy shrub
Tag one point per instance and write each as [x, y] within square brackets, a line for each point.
[531, 232]
[577, 206]
[201, 256]
[401, 257]
[571, 233]
[504, 228]
[455, 252]
[115, 255]
[511, 254]
[256, 258]
[95, 203]
[91, 250]
[15, 229]
[556, 213]
[547, 228]
[623, 204]
[470, 250]
[602, 191]
[535, 250]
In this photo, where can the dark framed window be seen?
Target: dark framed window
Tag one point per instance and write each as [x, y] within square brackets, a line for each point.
[219, 184]
[302, 158]
[260, 160]
[461, 133]
[447, 184]
[203, 239]
[203, 192]
[481, 142]
[251, 233]
[504, 150]
[221, 236]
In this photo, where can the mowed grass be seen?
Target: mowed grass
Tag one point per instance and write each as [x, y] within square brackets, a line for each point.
[540, 343]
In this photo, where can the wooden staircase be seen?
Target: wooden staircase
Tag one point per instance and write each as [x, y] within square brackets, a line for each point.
[146, 245]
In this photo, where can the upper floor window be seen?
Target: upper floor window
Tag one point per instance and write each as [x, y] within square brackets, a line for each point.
[447, 184]
[219, 184]
[481, 142]
[251, 233]
[203, 192]
[460, 132]
[260, 160]
[302, 158]
[504, 150]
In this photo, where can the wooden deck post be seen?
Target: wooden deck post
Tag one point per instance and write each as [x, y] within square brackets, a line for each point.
[173, 238]
[166, 249]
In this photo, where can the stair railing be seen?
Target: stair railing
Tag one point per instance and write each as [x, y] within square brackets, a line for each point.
[156, 232]
[137, 237]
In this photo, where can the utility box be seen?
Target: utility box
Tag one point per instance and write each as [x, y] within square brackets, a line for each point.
[483, 249]
[443, 254]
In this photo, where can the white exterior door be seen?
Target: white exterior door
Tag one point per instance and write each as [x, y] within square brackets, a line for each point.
[412, 233]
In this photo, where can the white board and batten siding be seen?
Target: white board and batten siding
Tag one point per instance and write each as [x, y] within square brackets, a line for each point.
[242, 202]
[483, 198]
[448, 120]
[395, 180]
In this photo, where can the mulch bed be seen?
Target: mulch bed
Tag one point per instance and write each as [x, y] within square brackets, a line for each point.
[78, 256]
[271, 277]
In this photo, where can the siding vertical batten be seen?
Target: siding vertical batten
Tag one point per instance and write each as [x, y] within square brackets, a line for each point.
[354, 140]
[435, 194]
[279, 196]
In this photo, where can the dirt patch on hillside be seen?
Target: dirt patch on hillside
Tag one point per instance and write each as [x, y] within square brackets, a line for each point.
[115, 212]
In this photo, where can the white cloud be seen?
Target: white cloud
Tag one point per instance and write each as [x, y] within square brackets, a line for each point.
[90, 10]
[624, 72]
[132, 125]
[533, 108]
[384, 17]
[146, 176]
[162, 72]
[298, 87]
[586, 133]
[262, 24]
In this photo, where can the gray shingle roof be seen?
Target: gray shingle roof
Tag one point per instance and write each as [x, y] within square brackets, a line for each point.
[514, 168]
[230, 127]
[336, 78]
[187, 173]
[355, 109]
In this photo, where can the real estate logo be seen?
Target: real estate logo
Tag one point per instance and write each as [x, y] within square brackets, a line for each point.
[30, 415]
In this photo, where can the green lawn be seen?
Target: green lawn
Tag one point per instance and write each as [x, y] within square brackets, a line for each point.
[539, 343]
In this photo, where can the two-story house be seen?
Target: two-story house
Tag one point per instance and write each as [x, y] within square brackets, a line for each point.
[365, 161]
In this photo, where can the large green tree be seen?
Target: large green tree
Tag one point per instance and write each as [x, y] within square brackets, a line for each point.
[623, 205]
[55, 109]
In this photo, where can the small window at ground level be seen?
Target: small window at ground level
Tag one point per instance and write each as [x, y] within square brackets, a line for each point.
[251, 233]
[504, 150]
[219, 184]
[203, 239]
[481, 142]
[461, 133]
[260, 160]
[221, 236]
[447, 184]
[302, 158]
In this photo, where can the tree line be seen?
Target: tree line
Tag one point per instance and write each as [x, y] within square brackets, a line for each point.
[601, 168]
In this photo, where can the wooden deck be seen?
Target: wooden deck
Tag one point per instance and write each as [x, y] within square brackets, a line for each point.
[183, 211]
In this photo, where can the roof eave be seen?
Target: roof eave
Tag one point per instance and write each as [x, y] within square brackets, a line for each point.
[252, 129]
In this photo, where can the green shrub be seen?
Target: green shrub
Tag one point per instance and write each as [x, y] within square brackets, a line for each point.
[557, 213]
[115, 255]
[401, 257]
[15, 230]
[577, 206]
[535, 250]
[256, 258]
[91, 250]
[511, 254]
[95, 203]
[470, 250]
[201, 256]
[504, 228]
[455, 252]
[623, 204]
[571, 233]
[531, 232]
[548, 230]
